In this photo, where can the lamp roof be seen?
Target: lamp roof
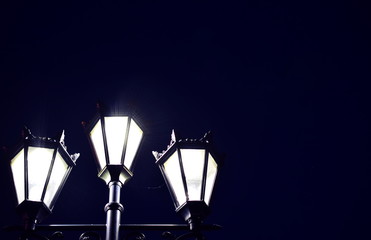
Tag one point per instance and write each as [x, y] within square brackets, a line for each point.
[187, 143]
[31, 139]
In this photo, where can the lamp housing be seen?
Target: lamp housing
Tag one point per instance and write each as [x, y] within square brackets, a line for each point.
[115, 139]
[189, 168]
[40, 167]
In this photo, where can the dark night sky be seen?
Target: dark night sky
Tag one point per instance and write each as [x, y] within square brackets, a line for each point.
[284, 86]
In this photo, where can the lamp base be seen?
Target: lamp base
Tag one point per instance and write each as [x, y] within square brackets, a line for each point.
[193, 212]
[115, 173]
[32, 213]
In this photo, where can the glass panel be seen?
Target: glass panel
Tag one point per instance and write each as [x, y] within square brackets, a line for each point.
[39, 160]
[135, 136]
[212, 169]
[96, 137]
[59, 171]
[105, 176]
[174, 178]
[123, 178]
[115, 134]
[193, 164]
[17, 166]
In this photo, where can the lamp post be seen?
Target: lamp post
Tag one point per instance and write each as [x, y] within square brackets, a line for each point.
[40, 166]
[115, 139]
[189, 169]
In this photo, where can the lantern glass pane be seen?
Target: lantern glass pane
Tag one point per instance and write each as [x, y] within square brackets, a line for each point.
[96, 137]
[174, 178]
[105, 176]
[123, 178]
[60, 168]
[115, 133]
[193, 164]
[134, 138]
[17, 166]
[39, 160]
[212, 169]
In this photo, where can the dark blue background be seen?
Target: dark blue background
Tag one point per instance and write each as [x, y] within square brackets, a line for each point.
[284, 86]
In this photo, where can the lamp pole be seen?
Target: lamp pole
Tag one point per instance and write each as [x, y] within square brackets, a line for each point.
[115, 138]
[113, 210]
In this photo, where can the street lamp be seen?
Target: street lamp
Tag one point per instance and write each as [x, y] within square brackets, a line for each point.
[189, 168]
[40, 167]
[115, 139]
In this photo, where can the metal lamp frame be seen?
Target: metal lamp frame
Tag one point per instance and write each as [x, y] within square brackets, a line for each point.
[35, 211]
[114, 170]
[192, 211]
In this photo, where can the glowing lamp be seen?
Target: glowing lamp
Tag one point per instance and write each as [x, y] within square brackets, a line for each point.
[189, 169]
[115, 140]
[39, 167]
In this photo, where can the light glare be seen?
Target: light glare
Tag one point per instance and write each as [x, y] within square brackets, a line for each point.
[115, 132]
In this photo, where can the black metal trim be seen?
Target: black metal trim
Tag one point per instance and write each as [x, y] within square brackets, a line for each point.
[193, 210]
[65, 155]
[59, 190]
[132, 167]
[51, 166]
[114, 171]
[33, 210]
[105, 145]
[204, 175]
[26, 192]
[113, 206]
[184, 179]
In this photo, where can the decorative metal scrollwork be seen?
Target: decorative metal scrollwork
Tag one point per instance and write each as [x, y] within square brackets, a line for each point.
[90, 236]
[188, 235]
[168, 236]
[31, 235]
[134, 236]
[56, 235]
[191, 235]
[130, 231]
